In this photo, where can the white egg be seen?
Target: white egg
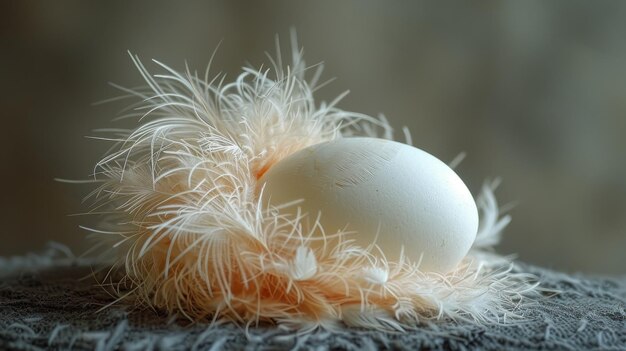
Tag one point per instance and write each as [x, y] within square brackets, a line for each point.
[382, 190]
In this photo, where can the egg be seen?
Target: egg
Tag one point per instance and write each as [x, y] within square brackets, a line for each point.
[382, 191]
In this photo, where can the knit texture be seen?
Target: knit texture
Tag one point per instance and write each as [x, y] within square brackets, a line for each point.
[51, 301]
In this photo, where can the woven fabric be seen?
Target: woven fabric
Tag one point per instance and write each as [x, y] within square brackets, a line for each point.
[50, 301]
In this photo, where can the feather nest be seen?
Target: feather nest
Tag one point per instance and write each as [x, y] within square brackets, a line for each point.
[184, 223]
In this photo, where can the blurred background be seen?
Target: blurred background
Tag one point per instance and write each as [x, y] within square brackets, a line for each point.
[533, 91]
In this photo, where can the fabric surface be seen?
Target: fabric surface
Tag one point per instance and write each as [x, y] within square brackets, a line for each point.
[51, 301]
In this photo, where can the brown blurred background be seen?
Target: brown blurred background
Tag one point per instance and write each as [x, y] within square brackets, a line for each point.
[533, 91]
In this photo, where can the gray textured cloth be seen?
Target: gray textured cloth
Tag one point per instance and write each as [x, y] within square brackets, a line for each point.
[44, 304]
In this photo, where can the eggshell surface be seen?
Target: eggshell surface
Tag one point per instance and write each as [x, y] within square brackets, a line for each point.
[384, 191]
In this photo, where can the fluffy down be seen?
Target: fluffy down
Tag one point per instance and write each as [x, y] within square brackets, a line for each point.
[183, 222]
